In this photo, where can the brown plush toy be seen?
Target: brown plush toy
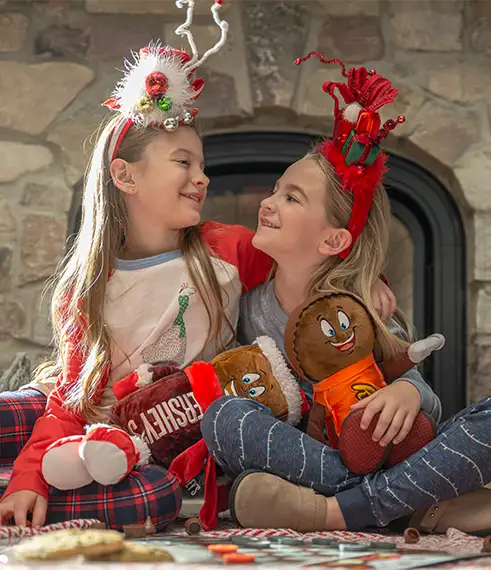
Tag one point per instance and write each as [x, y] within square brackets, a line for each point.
[330, 340]
[259, 372]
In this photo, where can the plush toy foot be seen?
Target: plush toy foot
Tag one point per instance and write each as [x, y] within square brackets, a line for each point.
[421, 349]
[359, 452]
[422, 432]
[62, 466]
[109, 453]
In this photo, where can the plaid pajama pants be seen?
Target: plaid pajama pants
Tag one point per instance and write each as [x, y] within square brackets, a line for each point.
[150, 491]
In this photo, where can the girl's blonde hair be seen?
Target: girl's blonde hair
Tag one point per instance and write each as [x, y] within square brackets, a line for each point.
[365, 263]
[77, 308]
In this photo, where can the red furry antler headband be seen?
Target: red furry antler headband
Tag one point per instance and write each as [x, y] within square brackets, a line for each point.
[354, 149]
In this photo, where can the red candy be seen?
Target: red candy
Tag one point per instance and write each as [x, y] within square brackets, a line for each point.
[156, 84]
[237, 558]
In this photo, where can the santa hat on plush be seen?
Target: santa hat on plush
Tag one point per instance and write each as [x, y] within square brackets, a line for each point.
[354, 149]
[207, 389]
[295, 398]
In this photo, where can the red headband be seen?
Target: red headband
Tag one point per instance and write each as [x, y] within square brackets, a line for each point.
[353, 150]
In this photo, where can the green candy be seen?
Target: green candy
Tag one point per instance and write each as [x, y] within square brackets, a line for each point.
[165, 104]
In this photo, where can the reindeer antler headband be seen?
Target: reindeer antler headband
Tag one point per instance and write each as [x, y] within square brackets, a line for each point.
[158, 88]
[354, 149]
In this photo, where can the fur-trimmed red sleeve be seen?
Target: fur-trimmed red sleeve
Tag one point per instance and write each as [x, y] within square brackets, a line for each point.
[56, 422]
[233, 244]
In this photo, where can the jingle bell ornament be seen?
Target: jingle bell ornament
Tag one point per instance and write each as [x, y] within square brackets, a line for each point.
[159, 88]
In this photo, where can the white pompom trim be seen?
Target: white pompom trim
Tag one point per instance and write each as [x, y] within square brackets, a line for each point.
[351, 112]
[144, 375]
[142, 449]
[92, 427]
[288, 384]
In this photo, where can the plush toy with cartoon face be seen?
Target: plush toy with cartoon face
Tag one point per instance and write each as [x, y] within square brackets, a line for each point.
[259, 372]
[330, 340]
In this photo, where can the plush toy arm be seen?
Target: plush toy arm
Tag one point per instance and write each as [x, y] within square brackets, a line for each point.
[317, 421]
[142, 376]
[398, 365]
[395, 367]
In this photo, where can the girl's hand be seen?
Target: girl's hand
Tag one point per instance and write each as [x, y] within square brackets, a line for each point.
[398, 405]
[20, 503]
[383, 300]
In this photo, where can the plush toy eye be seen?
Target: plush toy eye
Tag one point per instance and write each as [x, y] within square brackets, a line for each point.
[344, 321]
[255, 392]
[327, 328]
[249, 378]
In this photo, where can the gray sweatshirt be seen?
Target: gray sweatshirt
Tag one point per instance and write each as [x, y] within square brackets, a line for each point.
[261, 314]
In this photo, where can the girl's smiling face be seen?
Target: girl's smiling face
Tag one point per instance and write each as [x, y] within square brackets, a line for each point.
[292, 223]
[170, 182]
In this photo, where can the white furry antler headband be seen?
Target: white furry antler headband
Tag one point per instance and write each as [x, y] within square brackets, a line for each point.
[157, 88]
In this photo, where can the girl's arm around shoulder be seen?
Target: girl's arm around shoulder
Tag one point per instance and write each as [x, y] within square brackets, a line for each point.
[233, 244]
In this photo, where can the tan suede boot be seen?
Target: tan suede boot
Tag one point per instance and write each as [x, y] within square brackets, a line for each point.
[262, 500]
[469, 513]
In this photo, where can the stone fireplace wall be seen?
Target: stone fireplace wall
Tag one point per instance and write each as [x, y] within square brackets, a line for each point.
[57, 64]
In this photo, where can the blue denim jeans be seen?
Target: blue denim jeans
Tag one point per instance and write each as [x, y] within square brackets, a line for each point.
[243, 434]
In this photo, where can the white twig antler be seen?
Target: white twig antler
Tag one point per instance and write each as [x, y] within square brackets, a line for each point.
[183, 30]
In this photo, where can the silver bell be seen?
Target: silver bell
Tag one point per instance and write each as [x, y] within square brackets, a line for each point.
[170, 125]
[188, 118]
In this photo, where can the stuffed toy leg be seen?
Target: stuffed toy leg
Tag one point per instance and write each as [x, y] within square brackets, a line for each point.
[105, 453]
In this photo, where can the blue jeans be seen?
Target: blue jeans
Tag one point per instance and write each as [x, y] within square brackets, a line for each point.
[243, 434]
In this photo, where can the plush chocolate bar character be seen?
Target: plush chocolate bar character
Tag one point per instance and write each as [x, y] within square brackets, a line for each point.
[330, 340]
[260, 372]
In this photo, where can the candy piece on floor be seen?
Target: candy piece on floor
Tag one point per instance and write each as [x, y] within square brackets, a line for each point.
[193, 526]
[411, 535]
[149, 526]
[134, 531]
[237, 558]
[223, 548]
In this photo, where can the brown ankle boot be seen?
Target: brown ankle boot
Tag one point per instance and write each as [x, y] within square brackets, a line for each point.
[469, 513]
[262, 500]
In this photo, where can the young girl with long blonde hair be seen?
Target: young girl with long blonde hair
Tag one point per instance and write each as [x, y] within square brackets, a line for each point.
[326, 227]
[144, 282]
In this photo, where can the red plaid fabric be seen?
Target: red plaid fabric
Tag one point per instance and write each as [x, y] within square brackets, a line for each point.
[150, 491]
[18, 413]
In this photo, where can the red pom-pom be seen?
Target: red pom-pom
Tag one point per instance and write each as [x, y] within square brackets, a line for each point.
[362, 181]
[156, 84]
